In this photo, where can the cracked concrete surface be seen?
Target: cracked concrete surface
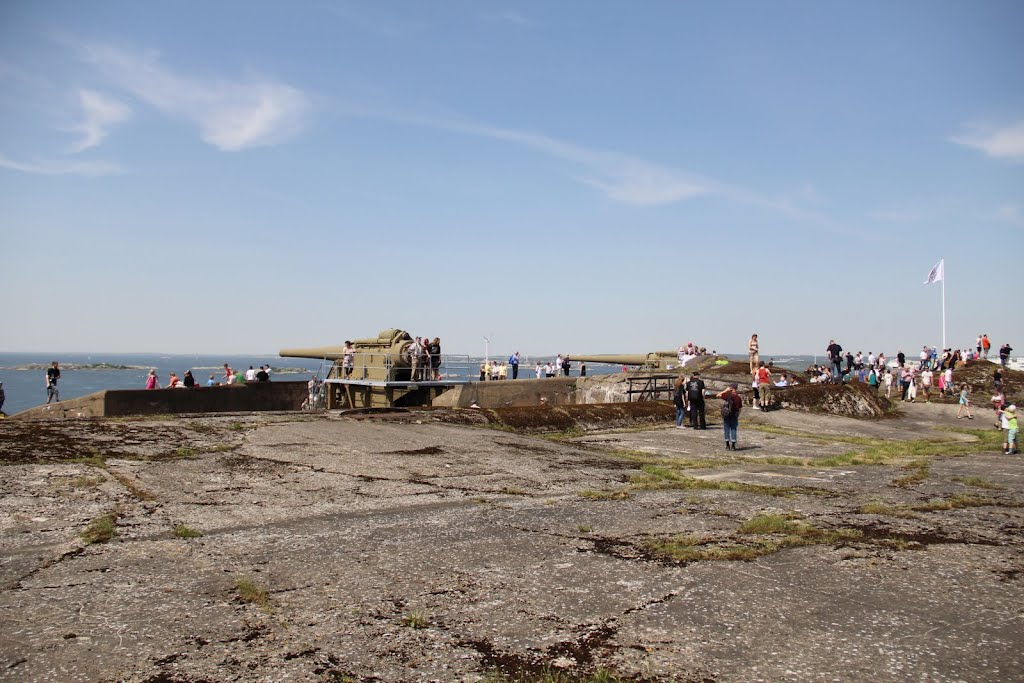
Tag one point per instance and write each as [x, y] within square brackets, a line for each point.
[409, 550]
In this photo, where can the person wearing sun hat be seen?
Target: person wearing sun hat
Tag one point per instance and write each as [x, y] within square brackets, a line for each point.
[1010, 414]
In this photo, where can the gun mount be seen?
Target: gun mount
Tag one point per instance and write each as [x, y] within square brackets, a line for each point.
[384, 358]
[379, 372]
[655, 360]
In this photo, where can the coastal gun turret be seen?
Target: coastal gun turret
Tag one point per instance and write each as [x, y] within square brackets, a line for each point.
[378, 373]
[384, 358]
[655, 360]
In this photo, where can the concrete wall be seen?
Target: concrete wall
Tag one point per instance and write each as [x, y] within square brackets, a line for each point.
[255, 396]
[510, 392]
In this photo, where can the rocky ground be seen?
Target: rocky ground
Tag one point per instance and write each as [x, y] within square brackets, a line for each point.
[405, 548]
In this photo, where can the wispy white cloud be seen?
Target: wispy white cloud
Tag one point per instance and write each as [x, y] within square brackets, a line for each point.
[897, 215]
[89, 169]
[621, 177]
[513, 17]
[1009, 213]
[101, 113]
[231, 115]
[1002, 143]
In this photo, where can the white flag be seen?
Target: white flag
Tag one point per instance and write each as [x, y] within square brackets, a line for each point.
[935, 274]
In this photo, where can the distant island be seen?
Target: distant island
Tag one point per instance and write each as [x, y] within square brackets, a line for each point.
[81, 366]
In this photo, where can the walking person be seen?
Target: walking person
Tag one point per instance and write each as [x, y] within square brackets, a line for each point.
[965, 402]
[513, 360]
[1004, 354]
[52, 377]
[1010, 446]
[679, 400]
[731, 405]
[888, 383]
[753, 353]
[835, 356]
[695, 400]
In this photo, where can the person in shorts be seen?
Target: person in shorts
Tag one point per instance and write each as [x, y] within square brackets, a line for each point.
[1010, 414]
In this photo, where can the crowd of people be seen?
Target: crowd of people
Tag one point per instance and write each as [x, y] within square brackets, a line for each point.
[424, 358]
[188, 381]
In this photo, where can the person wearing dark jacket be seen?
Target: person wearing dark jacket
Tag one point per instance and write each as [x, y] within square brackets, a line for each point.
[695, 399]
[733, 402]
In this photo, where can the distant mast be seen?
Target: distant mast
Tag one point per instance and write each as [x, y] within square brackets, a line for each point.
[938, 274]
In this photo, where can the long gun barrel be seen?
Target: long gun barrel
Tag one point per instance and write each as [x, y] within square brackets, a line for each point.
[656, 359]
[321, 352]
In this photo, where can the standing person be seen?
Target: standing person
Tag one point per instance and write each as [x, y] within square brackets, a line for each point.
[513, 360]
[52, 377]
[261, 375]
[1004, 354]
[997, 378]
[566, 366]
[250, 374]
[228, 373]
[732, 403]
[901, 359]
[764, 385]
[888, 383]
[965, 402]
[483, 372]
[583, 369]
[679, 400]
[986, 345]
[835, 356]
[753, 353]
[695, 400]
[348, 356]
[1010, 445]
[978, 345]
[558, 365]
[947, 376]
[435, 359]
[152, 381]
[3, 396]
[873, 378]
[414, 359]
[849, 363]
[539, 369]
[926, 384]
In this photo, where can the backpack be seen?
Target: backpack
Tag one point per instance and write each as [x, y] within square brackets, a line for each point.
[728, 408]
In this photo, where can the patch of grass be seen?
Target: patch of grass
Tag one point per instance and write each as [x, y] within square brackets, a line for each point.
[250, 591]
[767, 524]
[785, 431]
[550, 674]
[184, 531]
[919, 471]
[90, 460]
[959, 501]
[101, 529]
[621, 494]
[657, 477]
[236, 426]
[877, 507]
[657, 459]
[977, 482]
[184, 452]
[220, 448]
[513, 491]
[84, 482]
[202, 427]
[584, 528]
[132, 486]
[416, 619]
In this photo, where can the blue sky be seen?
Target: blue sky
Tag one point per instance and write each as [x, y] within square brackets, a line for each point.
[238, 177]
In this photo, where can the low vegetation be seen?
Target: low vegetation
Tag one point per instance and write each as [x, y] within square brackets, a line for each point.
[101, 529]
[416, 619]
[185, 531]
[252, 592]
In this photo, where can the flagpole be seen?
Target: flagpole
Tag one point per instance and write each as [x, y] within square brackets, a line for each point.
[943, 305]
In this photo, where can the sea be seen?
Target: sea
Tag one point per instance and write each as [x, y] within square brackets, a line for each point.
[24, 374]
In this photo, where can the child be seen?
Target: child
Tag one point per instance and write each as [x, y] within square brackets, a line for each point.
[1010, 415]
[965, 402]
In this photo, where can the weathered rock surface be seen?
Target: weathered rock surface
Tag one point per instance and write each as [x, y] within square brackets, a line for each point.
[411, 550]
